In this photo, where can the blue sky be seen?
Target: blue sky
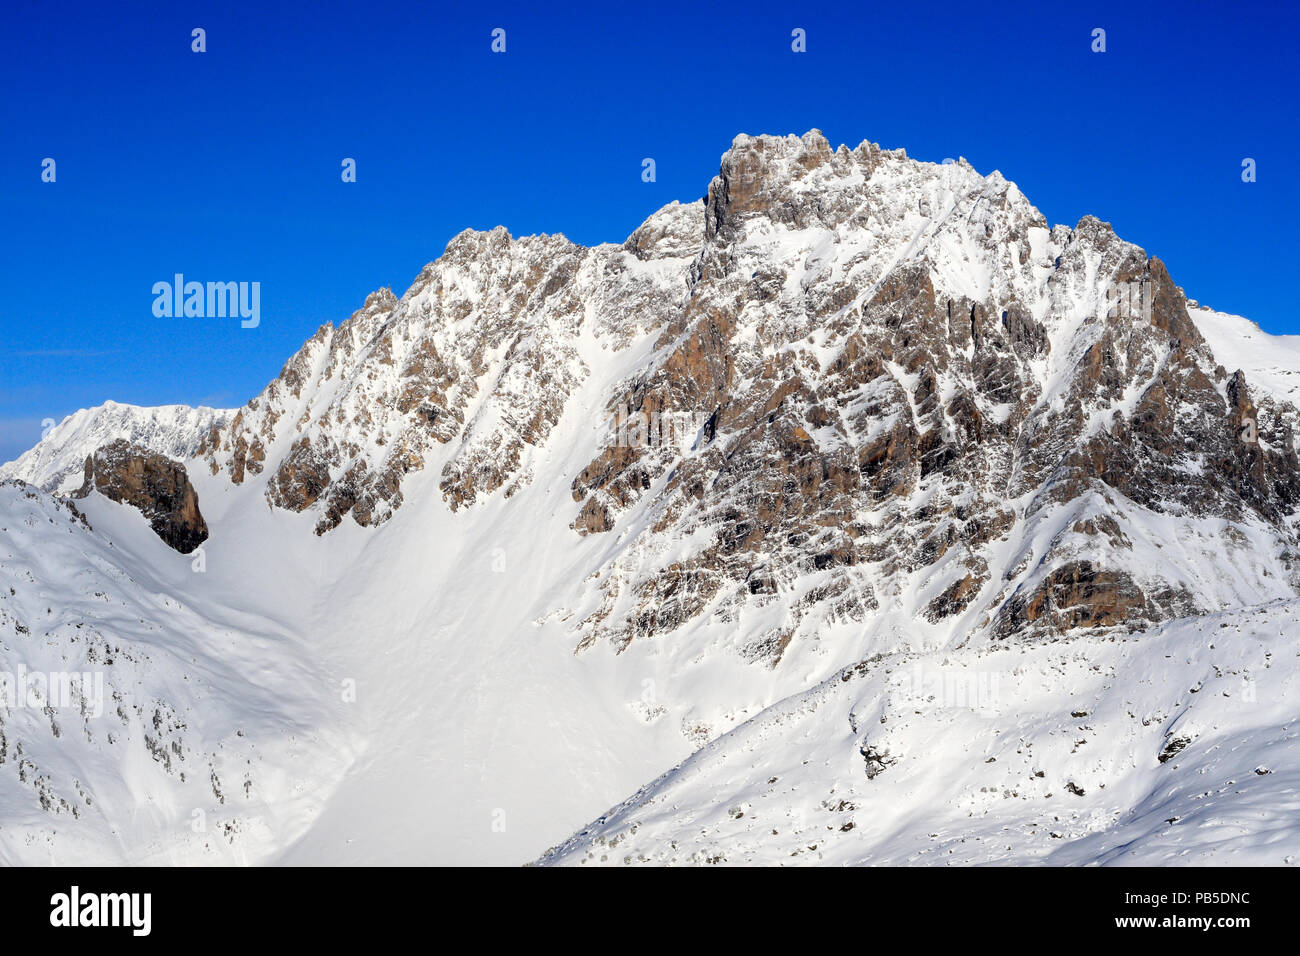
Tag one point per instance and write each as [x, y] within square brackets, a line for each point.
[225, 165]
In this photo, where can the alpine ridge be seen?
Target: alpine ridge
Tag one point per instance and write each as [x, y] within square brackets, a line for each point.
[891, 367]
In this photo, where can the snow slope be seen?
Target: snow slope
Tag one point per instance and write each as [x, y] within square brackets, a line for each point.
[1176, 746]
[1273, 360]
[204, 733]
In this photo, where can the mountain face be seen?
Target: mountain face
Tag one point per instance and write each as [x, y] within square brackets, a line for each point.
[875, 372]
[479, 355]
[716, 487]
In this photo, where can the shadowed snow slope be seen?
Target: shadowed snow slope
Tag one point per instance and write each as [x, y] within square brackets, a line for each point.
[194, 727]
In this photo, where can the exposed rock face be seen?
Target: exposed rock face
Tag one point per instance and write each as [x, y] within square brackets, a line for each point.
[1077, 594]
[899, 364]
[156, 486]
[850, 384]
[468, 372]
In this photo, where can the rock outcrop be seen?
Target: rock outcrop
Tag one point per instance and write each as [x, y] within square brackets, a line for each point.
[156, 486]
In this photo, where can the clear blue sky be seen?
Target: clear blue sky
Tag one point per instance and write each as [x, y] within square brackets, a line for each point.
[225, 165]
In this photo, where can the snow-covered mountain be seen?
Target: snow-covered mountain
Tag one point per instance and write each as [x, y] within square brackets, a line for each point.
[56, 462]
[559, 520]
